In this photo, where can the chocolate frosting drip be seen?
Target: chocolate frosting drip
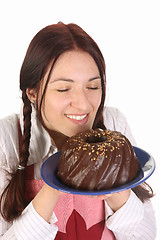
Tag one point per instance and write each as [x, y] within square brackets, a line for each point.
[97, 160]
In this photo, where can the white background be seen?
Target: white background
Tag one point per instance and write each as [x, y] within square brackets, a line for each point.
[127, 32]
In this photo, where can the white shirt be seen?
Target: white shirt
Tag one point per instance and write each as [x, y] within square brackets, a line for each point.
[134, 220]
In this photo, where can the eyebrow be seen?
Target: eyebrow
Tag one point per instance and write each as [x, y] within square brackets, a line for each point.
[94, 78]
[71, 80]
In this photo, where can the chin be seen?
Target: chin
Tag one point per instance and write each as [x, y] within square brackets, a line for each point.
[78, 130]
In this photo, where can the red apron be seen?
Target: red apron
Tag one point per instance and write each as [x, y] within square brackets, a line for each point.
[79, 217]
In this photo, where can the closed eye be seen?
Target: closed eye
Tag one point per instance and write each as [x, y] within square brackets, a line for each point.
[93, 88]
[63, 90]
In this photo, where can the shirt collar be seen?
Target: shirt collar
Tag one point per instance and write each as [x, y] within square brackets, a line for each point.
[40, 142]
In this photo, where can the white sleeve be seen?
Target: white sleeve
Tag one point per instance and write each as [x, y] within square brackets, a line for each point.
[4, 178]
[31, 226]
[134, 221]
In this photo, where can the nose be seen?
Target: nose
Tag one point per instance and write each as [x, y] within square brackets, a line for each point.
[80, 101]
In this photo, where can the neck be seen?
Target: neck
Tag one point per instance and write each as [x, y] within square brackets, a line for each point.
[58, 138]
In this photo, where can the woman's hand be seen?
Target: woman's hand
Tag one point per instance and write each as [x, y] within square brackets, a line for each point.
[45, 201]
[115, 200]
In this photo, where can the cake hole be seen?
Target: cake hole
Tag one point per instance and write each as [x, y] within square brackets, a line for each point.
[96, 139]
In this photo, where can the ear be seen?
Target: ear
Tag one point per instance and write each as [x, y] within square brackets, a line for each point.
[31, 94]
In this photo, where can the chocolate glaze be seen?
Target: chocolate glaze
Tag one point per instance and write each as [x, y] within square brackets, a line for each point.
[97, 160]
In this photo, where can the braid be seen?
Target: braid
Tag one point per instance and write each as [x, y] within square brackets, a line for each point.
[27, 109]
[13, 197]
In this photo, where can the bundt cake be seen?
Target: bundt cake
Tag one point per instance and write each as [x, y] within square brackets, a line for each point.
[97, 160]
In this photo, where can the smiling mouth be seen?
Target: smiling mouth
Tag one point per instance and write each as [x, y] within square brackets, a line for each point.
[76, 117]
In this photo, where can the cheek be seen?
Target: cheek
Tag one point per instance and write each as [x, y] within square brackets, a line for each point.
[96, 101]
[54, 104]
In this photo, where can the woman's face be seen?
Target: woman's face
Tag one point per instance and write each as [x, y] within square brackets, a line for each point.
[73, 94]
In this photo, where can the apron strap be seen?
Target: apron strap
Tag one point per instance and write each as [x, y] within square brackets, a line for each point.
[19, 136]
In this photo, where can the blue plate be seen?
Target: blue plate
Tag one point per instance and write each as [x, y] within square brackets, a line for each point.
[49, 170]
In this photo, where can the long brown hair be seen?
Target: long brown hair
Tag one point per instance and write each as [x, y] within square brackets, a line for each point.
[43, 51]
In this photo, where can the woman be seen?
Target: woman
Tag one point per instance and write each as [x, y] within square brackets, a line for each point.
[63, 91]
